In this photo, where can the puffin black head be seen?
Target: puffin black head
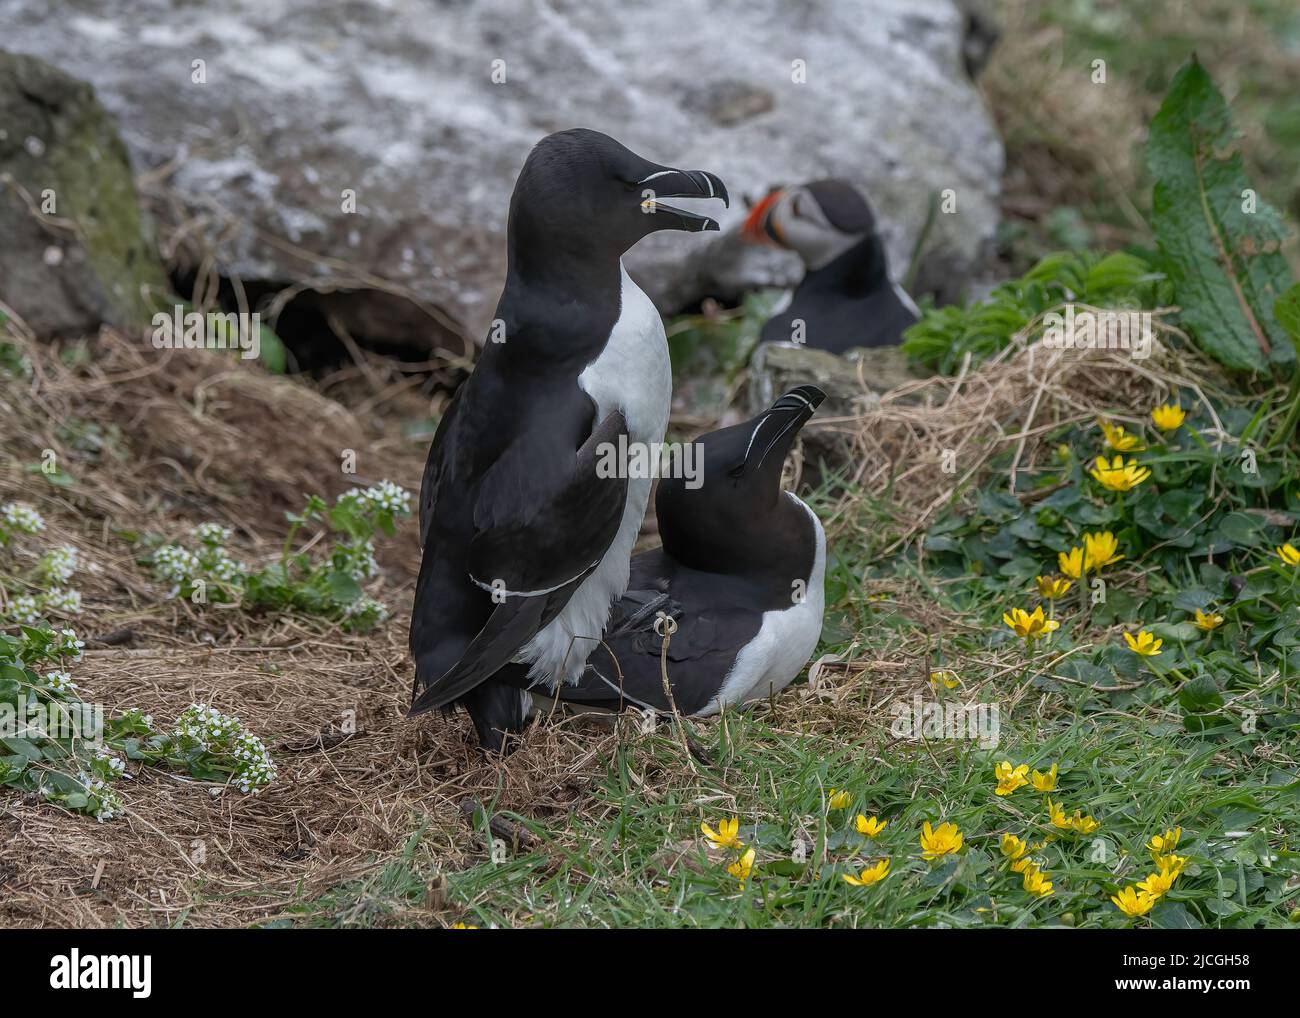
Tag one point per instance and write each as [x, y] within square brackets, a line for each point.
[818, 221]
[582, 191]
[732, 518]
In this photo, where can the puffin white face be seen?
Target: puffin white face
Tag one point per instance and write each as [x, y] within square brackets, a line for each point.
[796, 219]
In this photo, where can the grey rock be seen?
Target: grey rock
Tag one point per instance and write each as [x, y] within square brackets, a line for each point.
[74, 251]
[396, 100]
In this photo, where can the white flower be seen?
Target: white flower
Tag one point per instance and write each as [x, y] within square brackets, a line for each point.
[69, 645]
[66, 602]
[384, 495]
[212, 534]
[390, 496]
[60, 564]
[172, 562]
[22, 517]
[61, 681]
[24, 610]
[223, 567]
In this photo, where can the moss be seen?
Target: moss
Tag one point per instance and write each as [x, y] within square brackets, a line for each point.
[79, 155]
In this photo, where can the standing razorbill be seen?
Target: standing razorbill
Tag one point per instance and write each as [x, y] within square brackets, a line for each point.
[847, 297]
[741, 571]
[525, 545]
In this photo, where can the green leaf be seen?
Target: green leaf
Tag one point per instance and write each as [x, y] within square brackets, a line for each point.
[1199, 696]
[271, 351]
[1225, 262]
[1286, 309]
[343, 589]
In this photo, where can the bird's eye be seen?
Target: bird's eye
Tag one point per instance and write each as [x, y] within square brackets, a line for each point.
[794, 206]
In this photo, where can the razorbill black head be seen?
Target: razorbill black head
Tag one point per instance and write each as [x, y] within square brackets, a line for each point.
[720, 524]
[818, 221]
[580, 189]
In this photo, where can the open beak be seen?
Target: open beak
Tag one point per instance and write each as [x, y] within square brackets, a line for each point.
[759, 227]
[778, 425]
[670, 183]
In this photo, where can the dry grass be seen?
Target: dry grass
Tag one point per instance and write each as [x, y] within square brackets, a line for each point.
[925, 443]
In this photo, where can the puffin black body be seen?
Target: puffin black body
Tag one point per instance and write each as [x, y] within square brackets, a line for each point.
[525, 546]
[741, 572]
[847, 297]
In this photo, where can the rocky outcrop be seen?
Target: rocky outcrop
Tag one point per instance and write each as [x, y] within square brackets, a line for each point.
[74, 251]
[381, 139]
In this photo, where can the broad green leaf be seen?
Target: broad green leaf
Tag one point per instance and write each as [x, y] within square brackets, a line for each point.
[1222, 256]
[1287, 311]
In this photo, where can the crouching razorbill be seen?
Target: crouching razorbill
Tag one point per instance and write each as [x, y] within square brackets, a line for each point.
[525, 545]
[847, 297]
[741, 573]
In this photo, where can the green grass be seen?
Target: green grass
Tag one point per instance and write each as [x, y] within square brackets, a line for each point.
[632, 854]
[643, 862]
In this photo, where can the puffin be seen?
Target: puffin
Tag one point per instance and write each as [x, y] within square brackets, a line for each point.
[740, 572]
[847, 297]
[526, 541]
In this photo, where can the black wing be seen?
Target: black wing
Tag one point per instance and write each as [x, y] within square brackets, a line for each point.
[627, 671]
[435, 465]
[531, 559]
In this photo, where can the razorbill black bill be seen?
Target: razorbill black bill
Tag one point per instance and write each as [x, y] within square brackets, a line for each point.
[741, 572]
[847, 297]
[525, 544]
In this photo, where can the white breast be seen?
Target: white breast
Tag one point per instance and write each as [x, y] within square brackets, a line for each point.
[785, 640]
[632, 374]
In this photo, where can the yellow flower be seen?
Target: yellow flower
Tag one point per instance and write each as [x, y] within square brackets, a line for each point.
[742, 867]
[1133, 902]
[463, 926]
[1023, 865]
[1157, 884]
[1118, 475]
[1166, 842]
[726, 834]
[942, 840]
[1044, 782]
[1036, 882]
[1083, 824]
[1289, 554]
[949, 679]
[1030, 625]
[870, 827]
[839, 799]
[1119, 439]
[1168, 418]
[1013, 847]
[871, 875]
[1009, 778]
[1071, 563]
[1208, 622]
[1100, 550]
[1171, 862]
[1052, 587]
[1080, 823]
[1145, 644]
